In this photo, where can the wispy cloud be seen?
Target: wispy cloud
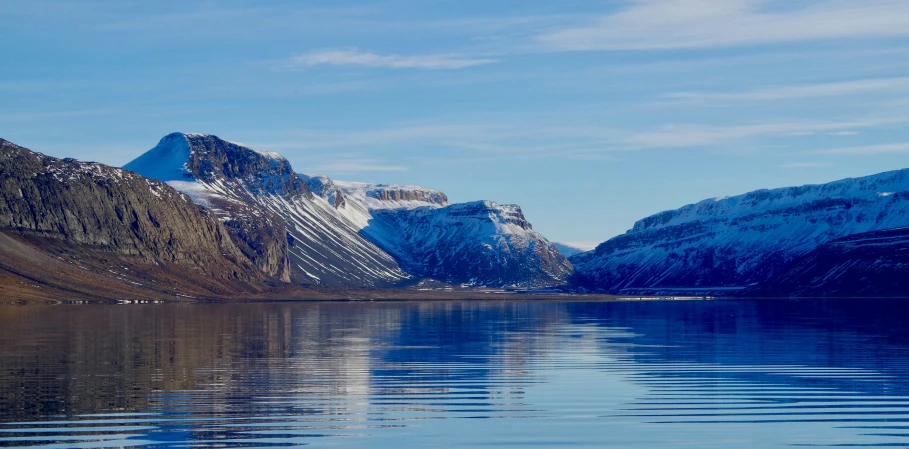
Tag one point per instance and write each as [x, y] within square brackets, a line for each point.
[673, 24]
[869, 149]
[464, 141]
[801, 91]
[529, 139]
[807, 165]
[354, 57]
[354, 165]
[678, 136]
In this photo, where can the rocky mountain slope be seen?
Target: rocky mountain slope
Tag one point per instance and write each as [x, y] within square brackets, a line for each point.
[352, 234]
[83, 218]
[260, 194]
[730, 243]
[861, 265]
[477, 243]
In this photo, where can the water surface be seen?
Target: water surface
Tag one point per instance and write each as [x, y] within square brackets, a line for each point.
[699, 374]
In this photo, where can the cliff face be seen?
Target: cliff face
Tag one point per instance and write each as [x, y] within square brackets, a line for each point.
[94, 206]
[735, 242]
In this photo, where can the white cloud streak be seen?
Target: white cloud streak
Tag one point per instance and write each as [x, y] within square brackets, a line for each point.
[356, 57]
[355, 166]
[801, 92]
[869, 149]
[679, 136]
[807, 165]
[675, 24]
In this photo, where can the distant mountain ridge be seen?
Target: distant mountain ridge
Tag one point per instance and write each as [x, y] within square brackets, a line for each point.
[736, 242]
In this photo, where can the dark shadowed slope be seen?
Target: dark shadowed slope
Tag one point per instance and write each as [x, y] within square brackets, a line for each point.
[867, 264]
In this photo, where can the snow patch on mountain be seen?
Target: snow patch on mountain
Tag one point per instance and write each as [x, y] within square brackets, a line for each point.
[166, 161]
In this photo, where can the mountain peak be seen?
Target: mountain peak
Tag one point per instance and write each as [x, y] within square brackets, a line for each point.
[191, 157]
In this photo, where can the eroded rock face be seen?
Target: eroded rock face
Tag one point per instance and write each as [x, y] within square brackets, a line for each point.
[119, 211]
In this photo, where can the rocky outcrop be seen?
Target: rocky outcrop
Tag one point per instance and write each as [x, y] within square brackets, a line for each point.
[871, 264]
[386, 193]
[734, 242]
[90, 205]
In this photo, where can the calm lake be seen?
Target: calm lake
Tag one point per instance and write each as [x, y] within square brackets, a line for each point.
[698, 374]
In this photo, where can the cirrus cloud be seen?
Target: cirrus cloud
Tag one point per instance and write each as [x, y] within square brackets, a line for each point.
[675, 24]
[355, 57]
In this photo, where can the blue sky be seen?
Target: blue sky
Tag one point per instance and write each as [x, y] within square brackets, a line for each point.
[589, 114]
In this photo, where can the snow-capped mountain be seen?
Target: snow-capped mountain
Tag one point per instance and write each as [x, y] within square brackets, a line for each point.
[347, 233]
[733, 242]
[478, 243]
[259, 195]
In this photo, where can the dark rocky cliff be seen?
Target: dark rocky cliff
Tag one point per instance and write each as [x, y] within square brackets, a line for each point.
[117, 211]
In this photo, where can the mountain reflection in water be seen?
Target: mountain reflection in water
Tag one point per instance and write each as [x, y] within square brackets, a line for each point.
[480, 374]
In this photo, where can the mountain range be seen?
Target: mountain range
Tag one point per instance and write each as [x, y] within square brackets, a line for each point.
[199, 216]
[351, 233]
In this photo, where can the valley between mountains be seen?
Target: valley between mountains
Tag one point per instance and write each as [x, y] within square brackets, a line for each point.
[199, 217]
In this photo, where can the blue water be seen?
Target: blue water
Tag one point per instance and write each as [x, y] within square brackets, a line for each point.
[693, 374]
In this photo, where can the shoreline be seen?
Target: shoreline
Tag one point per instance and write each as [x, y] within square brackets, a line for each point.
[10, 295]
